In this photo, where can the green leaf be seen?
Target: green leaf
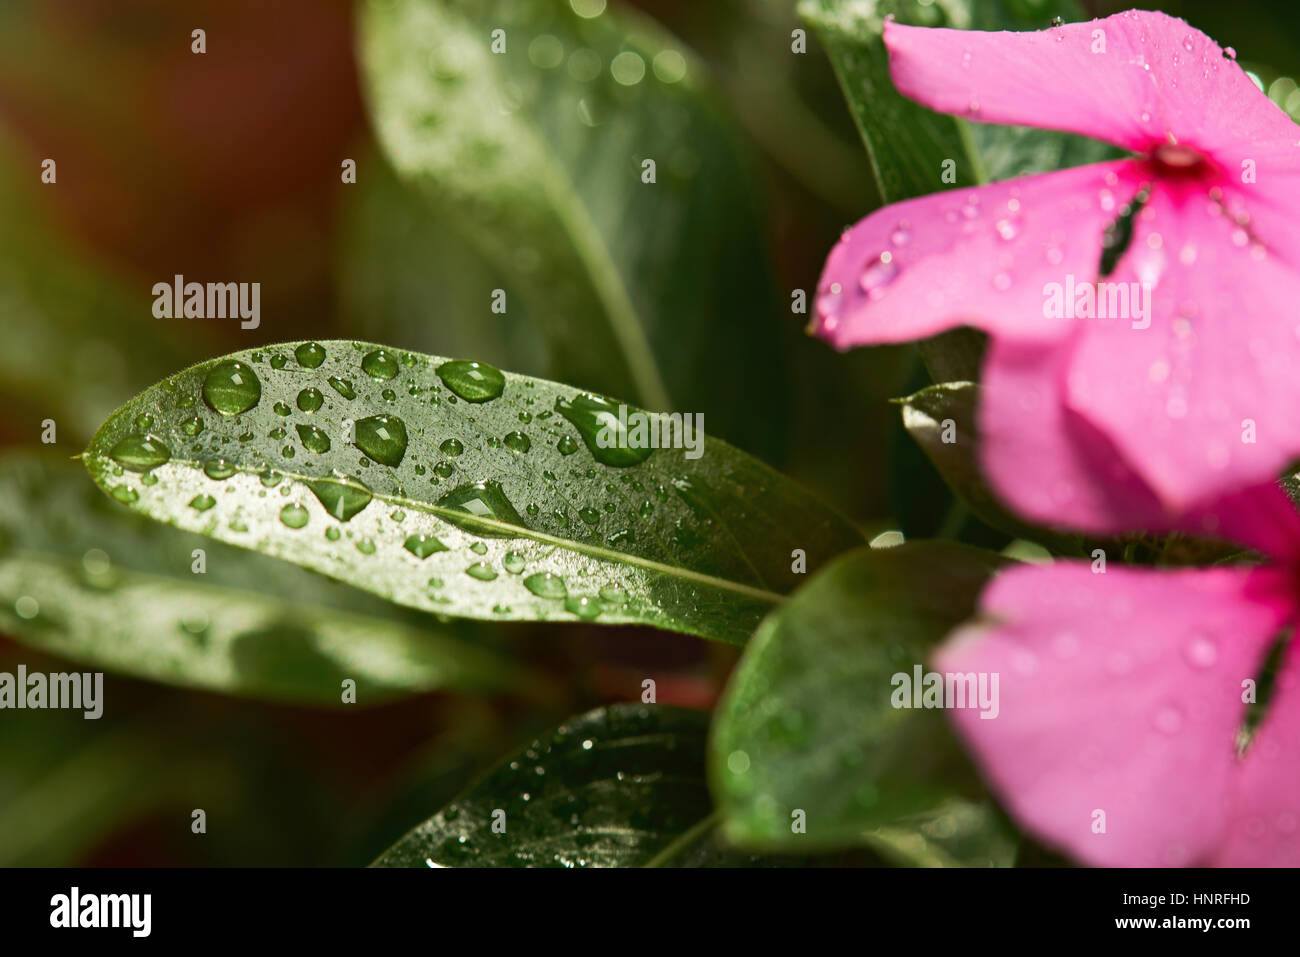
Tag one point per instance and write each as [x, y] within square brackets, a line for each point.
[410, 481]
[909, 143]
[658, 292]
[807, 721]
[405, 276]
[65, 316]
[622, 786]
[942, 419]
[83, 578]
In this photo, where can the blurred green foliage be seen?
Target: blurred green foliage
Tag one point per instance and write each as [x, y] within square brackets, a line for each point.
[226, 167]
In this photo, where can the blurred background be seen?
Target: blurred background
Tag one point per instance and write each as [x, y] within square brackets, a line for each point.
[226, 166]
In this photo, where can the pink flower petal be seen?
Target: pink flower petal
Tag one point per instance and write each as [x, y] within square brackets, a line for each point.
[1054, 467]
[1059, 470]
[1134, 79]
[1119, 693]
[1264, 823]
[1200, 394]
[976, 257]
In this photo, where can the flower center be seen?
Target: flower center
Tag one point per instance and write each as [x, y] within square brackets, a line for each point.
[1175, 160]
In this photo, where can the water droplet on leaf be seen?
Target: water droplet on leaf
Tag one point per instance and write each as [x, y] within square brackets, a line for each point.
[382, 438]
[472, 381]
[379, 365]
[140, 453]
[231, 387]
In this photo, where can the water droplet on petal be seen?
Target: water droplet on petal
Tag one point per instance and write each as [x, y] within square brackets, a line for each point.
[878, 273]
[1202, 652]
[1168, 720]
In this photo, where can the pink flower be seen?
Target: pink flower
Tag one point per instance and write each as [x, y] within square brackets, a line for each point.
[1122, 699]
[1188, 387]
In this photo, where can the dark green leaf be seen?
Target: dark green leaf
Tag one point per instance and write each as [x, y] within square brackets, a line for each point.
[83, 578]
[654, 291]
[503, 508]
[622, 786]
[807, 722]
[909, 143]
[942, 420]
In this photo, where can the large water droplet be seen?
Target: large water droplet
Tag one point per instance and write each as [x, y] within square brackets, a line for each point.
[878, 273]
[342, 386]
[140, 453]
[567, 445]
[584, 607]
[342, 499]
[472, 381]
[294, 516]
[517, 442]
[218, 469]
[379, 365]
[309, 400]
[231, 387]
[451, 447]
[313, 439]
[125, 494]
[513, 562]
[606, 437]
[382, 438]
[481, 500]
[482, 571]
[546, 585]
[422, 545]
[310, 355]
[1202, 653]
[1168, 720]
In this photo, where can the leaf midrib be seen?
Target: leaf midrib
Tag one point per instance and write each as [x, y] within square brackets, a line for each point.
[457, 518]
